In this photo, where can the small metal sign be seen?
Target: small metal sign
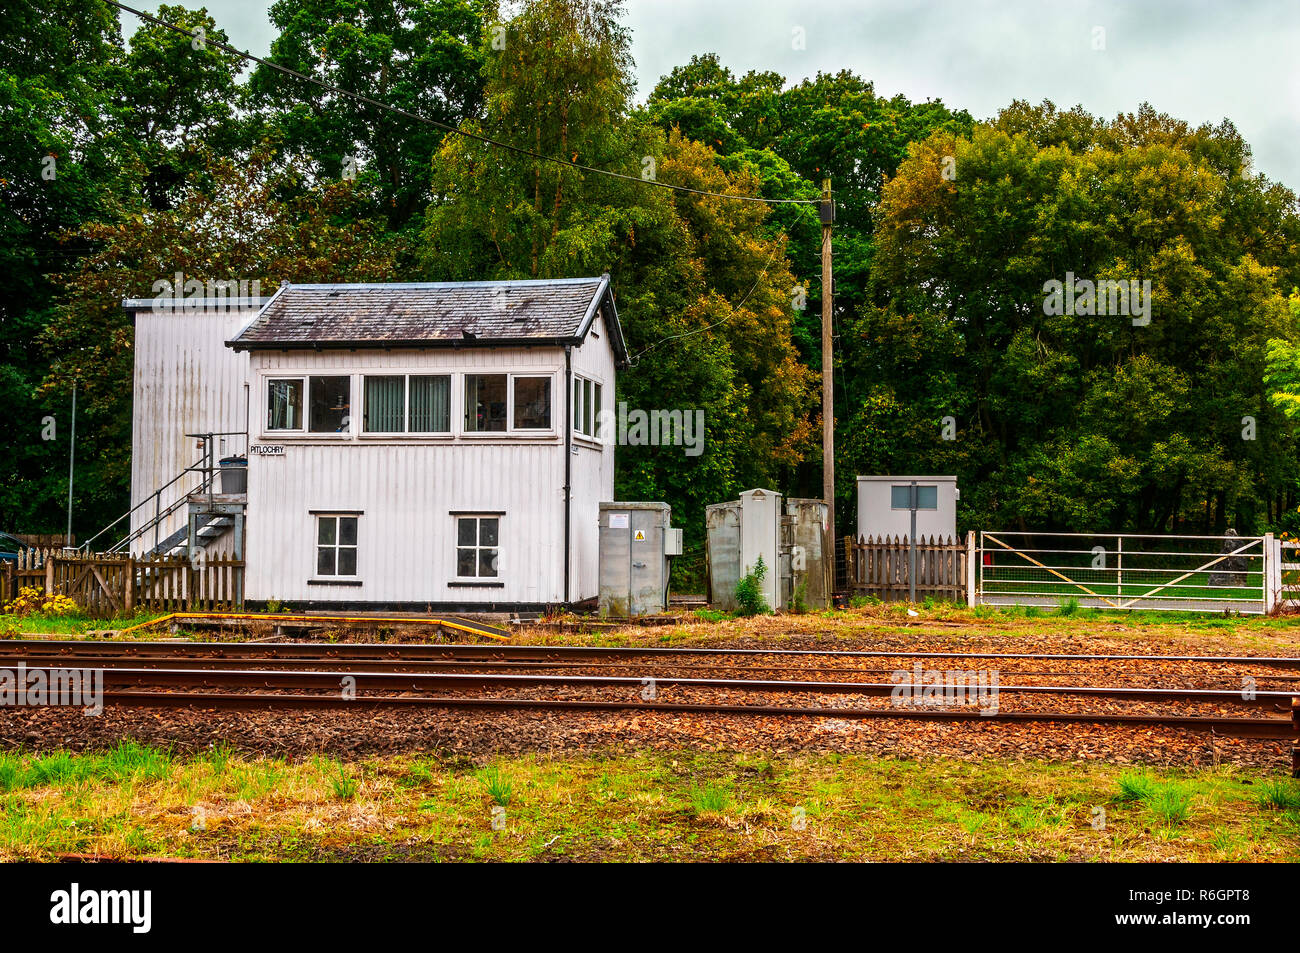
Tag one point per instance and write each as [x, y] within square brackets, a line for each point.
[267, 449]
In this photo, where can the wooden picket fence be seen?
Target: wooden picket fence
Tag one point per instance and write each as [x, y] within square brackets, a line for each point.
[28, 571]
[880, 567]
[107, 585]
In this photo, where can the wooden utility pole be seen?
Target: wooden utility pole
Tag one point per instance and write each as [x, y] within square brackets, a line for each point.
[828, 370]
[72, 462]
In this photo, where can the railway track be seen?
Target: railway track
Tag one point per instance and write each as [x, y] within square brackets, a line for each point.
[469, 651]
[684, 681]
[1279, 672]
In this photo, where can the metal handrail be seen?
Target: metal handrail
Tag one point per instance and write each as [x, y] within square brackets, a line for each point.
[208, 454]
[203, 465]
[157, 494]
[161, 515]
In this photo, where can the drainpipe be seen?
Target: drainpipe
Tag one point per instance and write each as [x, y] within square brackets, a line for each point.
[568, 460]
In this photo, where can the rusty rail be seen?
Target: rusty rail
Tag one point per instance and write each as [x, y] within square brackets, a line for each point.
[469, 651]
[253, 679]
[1232, 727]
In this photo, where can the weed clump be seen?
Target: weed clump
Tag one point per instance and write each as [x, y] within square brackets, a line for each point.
[749, 591]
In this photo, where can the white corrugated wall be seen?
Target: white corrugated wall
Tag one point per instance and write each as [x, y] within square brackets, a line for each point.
[406, 490]
[593, 465]
[405, 497]
[186, 381]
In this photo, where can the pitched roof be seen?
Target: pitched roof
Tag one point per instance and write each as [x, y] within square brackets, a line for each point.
[193, 304]
[433, 314]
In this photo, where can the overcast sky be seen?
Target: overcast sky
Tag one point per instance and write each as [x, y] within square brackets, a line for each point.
[1200, 60]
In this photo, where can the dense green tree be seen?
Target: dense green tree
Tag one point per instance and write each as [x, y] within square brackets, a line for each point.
[1282, 376]
[702, 282]
[1081, 420]
[421, 56]
[831, 126]
[231, 222]
[176, 97]
[61, 162]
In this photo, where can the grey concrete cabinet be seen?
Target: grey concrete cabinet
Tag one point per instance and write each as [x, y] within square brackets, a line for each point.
[636, 540]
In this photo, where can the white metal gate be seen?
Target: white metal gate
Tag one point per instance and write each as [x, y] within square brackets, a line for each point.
[1130, 571]
[1286, 578]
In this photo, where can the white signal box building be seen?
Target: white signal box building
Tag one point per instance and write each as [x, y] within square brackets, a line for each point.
[884, 507]
[408, 446]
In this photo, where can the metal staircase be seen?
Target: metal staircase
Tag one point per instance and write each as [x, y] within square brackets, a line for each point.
[210, 514]
[212, 526]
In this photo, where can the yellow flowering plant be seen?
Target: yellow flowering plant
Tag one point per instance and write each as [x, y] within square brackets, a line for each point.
[32, 601]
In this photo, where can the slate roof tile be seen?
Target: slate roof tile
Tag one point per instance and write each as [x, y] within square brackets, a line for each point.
[428, 313]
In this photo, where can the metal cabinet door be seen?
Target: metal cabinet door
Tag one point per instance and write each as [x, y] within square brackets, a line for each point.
[646, 552]
[615, 560]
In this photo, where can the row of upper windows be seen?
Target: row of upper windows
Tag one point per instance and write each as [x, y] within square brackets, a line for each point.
[421, 404]
[477, 546]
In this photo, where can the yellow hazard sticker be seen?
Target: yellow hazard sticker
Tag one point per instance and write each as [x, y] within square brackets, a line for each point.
[640, 535]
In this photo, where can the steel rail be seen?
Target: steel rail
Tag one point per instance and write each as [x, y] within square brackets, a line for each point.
[503, 652]
[418, 682]
[375, 665]
[1269, 728]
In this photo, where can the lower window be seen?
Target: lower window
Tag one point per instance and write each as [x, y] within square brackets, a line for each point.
[336, 546]
[477, 546]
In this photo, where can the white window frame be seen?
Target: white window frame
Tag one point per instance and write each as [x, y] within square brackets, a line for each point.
[511, 430]
[510, 403]
[583, 384]
[406, 416]
[456, 405]
[353, 420]
[499, 578]
[304, 432]
[304, 410]
[462, 383]
[317, 545]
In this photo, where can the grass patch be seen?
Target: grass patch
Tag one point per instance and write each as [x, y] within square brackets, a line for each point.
[1279, 796]
[1171, 804]
[130, 761]
[344, 787]
[713, 615]
[710, 799]
[683, 805]
[219, 757]
[1134, 787]
[75, 624]
[499, 787]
